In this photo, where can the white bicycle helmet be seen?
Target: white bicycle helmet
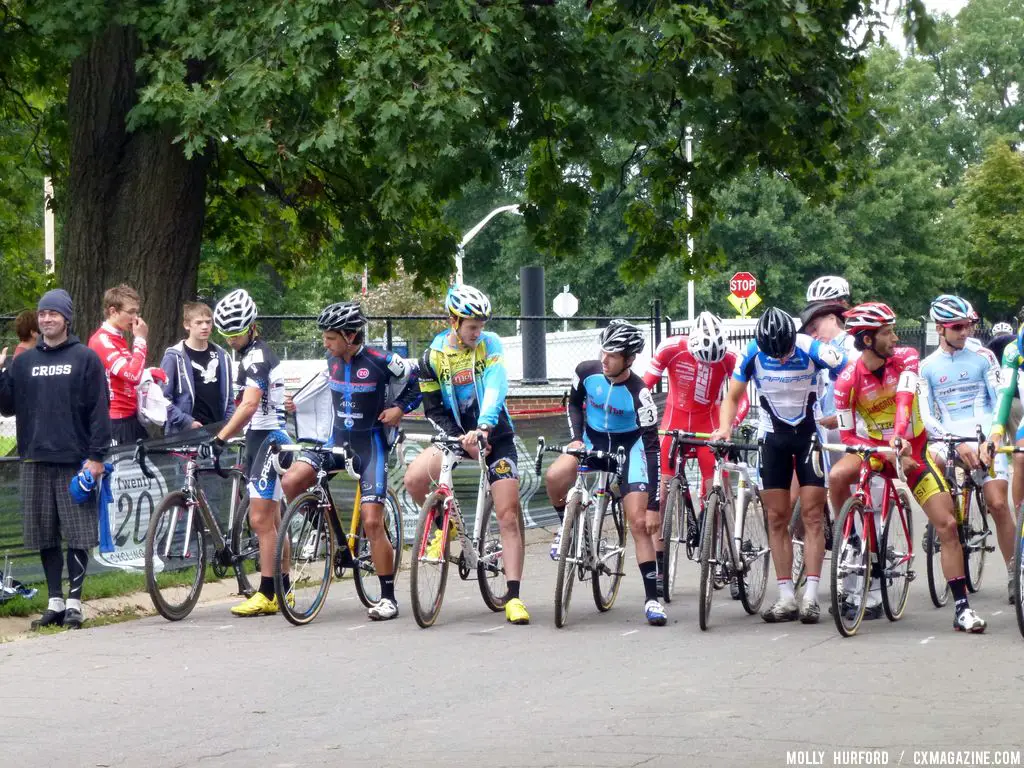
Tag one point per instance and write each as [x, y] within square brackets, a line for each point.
[235, 313]
[706, 340]
[951, 309]
[623, 338]
[466, 301]
[828, 288]
[1002, 329]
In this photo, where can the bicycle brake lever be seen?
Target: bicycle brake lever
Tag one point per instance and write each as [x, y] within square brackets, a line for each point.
[540, 454]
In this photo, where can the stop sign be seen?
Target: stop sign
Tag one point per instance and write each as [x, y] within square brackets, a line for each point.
[742, 285]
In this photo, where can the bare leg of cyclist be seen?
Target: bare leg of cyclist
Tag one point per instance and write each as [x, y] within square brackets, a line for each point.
[557, 482]
[505, 494]
[643, 525]
[383, 555]
[812, 512]
[777, 506]
[939, 510]
[421, 473]
[999, 508]
[1018, 477]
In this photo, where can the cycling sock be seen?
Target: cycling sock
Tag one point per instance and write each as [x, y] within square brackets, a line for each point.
[958, 587]
[55, 604]
[76, 604]
[513, 590]
[560, 511]
[267, 586]
[387, 587]
[78, 561]
[811, 589]
[649, 571]
[659, 558]
[786, 591]
[53, 567]
[287, 581]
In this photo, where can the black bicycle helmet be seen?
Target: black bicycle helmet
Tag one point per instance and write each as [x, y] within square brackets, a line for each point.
[343, 316]
[775, 333]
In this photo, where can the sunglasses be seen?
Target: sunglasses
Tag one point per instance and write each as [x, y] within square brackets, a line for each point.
[958, 327]
[233, 335]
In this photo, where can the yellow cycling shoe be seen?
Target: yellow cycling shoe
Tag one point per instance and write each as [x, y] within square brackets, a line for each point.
[436, 543]
[257, 605]
[515, 612]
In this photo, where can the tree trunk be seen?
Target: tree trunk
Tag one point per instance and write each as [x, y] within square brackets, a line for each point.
[135, 204]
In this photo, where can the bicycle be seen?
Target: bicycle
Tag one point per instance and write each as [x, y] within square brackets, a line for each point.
[855, 557]
[796, 532]
[971, 514]
[1018, 570]
[482, 551]
[309, 535]
[177, 551]
[732, 547]
[593, 528]
[679, 523]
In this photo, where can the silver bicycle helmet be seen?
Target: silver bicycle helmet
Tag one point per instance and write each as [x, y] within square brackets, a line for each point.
[623, 338]
[343, 316]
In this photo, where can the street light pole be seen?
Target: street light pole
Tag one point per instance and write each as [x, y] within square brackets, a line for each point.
[461, 248]
[689, 218]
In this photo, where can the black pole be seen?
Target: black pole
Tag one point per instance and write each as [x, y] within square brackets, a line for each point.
[389, 333]
[531, 295]
[656, 327]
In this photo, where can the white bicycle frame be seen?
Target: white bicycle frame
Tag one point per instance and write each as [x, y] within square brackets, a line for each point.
[744, 494]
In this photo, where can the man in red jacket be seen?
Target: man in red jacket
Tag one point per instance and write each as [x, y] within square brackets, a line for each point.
[124, 364]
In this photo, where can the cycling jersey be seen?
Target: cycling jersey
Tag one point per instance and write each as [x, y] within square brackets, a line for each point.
[885, 401]
[606, 415]
[259, 368]
[465, 387]
[1010, 384]
[124, 366]
[827, 383]
[786, 389]
[957, 391]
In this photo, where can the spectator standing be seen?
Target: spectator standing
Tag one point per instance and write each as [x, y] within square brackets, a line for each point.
[198, 375]
[27, 328]
[124, 364]
[58, 394]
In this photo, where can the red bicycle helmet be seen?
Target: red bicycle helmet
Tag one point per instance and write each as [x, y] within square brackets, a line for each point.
[869, 317]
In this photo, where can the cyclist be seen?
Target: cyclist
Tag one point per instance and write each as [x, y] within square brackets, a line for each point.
[880, 390]
[464, 383]
[609, 406]
[784, 366]
[261, 413]
[1011, 386]
[371, 391]
[1002, 335]
[958, 394]
[698, 365]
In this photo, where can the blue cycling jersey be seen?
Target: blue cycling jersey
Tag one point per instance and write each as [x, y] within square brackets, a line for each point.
[786, 388]
[606, 407]
[957, 390]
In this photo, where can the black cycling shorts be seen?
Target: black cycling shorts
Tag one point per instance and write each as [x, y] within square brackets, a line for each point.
[784, 452]
[370, 461]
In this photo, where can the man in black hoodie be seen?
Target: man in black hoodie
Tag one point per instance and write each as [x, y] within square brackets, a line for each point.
[58, 392]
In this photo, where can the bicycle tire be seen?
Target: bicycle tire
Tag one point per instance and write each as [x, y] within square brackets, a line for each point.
[1018, 572]
[364, 572]
[156, 564]
[897, 535]
[671, 525]
[245, 545]
[307, 541]
[938, 587]
[796, 533]
[976, 535]
[490, 566]
[754, 581]
[609, 553]
[850, 556]
[565, 575]
[709, 538]
[426, 612]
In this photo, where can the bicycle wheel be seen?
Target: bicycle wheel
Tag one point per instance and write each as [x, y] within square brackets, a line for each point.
[364, 571]
[897, 535]
[566, 573]
[796, 532]
[490, 565]
[976, 533]
[709, 549]
[609, 552]
[245, 544]
[938, 587]
[306, 542]
[851, 567]
[754, 553]
[1018, 572]
[429, 575]
[175, 557]
[671, 529]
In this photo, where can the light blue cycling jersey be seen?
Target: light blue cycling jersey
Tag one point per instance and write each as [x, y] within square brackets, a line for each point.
[827, 381]
[786, 389]
[957, 390]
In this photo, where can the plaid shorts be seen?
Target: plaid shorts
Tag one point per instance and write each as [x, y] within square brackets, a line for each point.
[48, 511]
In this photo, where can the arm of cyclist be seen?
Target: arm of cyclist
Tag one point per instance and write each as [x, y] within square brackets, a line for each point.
[495, 383]
[729, 408]
[243, 414]
[574, 410]
[845, 397]
[1005, 391]
[434, 408]
[906, 394]
[927, 406]
[406, 382]
[659, 360]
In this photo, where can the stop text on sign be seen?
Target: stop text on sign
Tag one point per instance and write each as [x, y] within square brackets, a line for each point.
[743, 284]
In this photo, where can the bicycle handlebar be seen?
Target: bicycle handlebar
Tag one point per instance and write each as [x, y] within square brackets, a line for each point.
[867, 451]
[344, 451]
[582, 454]
[200, 451]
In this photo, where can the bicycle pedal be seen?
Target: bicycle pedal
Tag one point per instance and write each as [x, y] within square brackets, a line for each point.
[911, 575]
[989, 548]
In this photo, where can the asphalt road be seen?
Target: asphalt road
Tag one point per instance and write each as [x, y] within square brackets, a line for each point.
[607, 690]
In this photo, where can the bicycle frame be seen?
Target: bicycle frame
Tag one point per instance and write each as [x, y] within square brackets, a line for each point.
[745, 491]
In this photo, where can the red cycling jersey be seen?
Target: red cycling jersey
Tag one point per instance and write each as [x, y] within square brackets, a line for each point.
[124, 367]
[885, 400]
[694, 394]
